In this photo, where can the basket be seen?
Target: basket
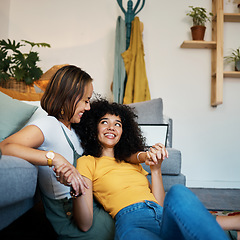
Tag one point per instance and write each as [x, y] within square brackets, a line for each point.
[19, 86]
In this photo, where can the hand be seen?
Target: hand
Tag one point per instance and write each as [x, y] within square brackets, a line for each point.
[156, 154]
[68, 175]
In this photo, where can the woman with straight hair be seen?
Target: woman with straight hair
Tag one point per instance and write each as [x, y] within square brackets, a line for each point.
[50, 142]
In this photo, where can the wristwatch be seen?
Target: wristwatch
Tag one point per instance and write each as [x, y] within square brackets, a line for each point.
[50, 156]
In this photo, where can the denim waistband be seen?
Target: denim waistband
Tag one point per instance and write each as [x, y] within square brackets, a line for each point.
[139, 205]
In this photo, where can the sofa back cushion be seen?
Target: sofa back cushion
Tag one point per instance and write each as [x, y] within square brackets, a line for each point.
[149, 112]
[14, 115]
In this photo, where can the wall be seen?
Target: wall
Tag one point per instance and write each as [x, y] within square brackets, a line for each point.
[4, 18]
[83, 33]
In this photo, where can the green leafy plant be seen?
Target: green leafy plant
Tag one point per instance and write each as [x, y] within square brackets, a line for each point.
[234, 57]
[21, 66]
[199, 15]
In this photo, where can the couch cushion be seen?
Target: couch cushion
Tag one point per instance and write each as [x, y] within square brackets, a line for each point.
[18, 180]
[14, 115]
[149, 112]
[169, 181]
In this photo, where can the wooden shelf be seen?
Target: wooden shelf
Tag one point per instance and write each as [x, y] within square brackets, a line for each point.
[199, 44]
[231, 17]
[216, 46]
[233, 74]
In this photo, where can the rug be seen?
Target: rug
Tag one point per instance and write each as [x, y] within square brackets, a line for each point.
[224, 212]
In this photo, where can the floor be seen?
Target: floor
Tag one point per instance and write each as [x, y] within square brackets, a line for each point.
[219, 199]
[34, 225]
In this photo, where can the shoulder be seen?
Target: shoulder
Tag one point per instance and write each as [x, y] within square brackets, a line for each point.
[45, 119]
[87, 161]
[86, 165]
[47, 122]
[49, 126]
[87, 158]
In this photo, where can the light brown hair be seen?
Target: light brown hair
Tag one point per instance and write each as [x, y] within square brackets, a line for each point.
[65, 87]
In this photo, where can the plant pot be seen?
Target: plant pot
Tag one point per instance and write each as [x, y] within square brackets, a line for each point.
[198, 32]
[237, 65]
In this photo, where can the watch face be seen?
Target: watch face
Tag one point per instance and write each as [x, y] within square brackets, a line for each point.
[50, 155]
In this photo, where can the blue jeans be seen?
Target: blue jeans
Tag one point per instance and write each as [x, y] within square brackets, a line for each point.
[183, 216]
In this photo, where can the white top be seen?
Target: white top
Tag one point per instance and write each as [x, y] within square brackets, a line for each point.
[55, 140]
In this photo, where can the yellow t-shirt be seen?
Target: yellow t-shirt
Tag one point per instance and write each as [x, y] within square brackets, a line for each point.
[115, 184]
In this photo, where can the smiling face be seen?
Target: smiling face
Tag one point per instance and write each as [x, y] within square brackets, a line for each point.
[82, 106]
[109, 133]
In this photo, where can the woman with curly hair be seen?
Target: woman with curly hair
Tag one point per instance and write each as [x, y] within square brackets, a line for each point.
[109, 135]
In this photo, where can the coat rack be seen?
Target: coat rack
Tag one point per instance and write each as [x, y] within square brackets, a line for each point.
[129, 16]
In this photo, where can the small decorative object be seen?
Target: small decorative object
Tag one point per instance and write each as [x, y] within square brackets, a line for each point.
[17, 66]
[200, 17]
[234, 57]
[231, 6]
[129, 15]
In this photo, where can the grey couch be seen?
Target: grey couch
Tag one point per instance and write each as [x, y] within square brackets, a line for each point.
[18, 178]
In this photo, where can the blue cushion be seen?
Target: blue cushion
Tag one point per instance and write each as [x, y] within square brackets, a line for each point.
[14, 115]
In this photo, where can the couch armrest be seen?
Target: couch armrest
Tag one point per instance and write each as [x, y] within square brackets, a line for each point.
[169, 121]
[18, 180]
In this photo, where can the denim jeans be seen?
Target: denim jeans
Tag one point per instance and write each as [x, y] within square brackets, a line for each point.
[183, 216]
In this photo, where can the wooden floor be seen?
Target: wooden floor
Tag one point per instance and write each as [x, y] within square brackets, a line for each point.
[34, 225]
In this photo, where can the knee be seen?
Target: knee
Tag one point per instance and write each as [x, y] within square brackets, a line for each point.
[178, 192]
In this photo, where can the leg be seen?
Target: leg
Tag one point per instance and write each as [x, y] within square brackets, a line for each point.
[229, 223]
[139, 221]
[185, 217]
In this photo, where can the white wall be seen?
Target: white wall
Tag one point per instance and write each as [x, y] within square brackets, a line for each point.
[83, 33]
[4, 18]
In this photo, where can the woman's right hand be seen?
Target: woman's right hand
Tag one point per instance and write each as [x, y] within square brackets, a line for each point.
[156, 154]
[68, 175]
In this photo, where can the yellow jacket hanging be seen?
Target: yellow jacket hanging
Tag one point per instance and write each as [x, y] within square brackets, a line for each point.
[137, 89]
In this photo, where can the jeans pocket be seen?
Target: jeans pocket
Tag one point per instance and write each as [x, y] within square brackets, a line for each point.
[158, 210]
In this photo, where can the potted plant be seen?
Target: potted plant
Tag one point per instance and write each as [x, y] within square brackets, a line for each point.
[200, 17]
[234, 57]
[20, 66]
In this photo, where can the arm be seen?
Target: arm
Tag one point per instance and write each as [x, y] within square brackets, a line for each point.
[83, 208]
[142, 157]
[24, 144]
[157, 183]
[159, 152]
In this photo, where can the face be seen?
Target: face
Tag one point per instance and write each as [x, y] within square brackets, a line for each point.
[83, 105]
[109, 130]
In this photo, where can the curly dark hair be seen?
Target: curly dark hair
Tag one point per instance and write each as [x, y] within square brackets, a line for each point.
[131, 140]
